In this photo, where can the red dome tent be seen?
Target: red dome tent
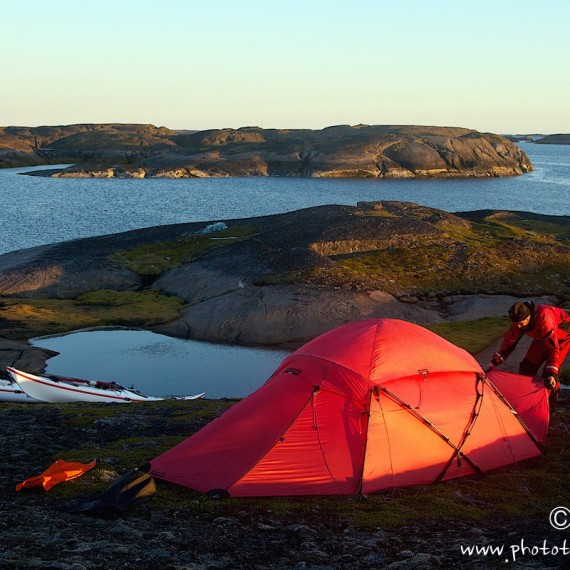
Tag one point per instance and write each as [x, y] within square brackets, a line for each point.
[371, 405]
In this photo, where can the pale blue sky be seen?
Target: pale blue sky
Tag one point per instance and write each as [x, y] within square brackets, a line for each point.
[499, 66]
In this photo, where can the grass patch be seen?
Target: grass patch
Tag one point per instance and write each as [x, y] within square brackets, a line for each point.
[403, 266]
[171, 412]
[28, 318]
[473, 336]
[500, 230]
[125, 436]
[547, 278]
[479, 234]
[534, 228]
[154, 259]
[183, 414]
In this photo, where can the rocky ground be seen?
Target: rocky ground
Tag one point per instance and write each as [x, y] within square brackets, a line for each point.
[181, 529]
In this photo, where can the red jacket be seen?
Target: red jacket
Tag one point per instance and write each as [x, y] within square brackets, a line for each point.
[548, 324]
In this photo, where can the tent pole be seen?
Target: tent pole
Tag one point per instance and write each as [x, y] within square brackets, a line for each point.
[466, 434]
[366, 414]
[435, 429]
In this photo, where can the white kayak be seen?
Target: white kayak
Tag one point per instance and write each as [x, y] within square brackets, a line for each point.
[11, 392]
[60, 390]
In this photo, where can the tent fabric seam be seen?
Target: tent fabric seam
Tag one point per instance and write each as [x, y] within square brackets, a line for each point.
[376, 331]
[367, 408]
[386, 431]
[349, 370]
[502, 428]
[270, 448]
[316, 427]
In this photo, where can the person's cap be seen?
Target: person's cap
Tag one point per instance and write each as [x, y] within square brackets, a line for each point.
[519, 312]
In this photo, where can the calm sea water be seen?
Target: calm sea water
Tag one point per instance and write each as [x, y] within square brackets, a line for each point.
[37, 211]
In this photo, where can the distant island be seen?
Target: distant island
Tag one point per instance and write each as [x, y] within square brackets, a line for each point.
[540, 139]
[555, 139]
[343, 151]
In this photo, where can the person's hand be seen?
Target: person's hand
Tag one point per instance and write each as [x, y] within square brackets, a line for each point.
[497, 359]
[551, 383]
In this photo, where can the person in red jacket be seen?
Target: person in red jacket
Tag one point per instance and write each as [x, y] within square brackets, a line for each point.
[549, 327]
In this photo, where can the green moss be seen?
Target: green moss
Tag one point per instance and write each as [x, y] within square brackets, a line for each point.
[487, 232]
[473, 336]
[538, 228]
[27, 318]
[154, 259]
[402, 265]
[182, 415]
[410, 506]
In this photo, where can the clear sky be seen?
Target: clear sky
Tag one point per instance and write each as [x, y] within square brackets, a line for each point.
[491, 65]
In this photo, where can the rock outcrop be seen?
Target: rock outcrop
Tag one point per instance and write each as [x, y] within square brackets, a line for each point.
[286, 314]
[292, 276]
[63, 271]
[377, 151]
[23, 356]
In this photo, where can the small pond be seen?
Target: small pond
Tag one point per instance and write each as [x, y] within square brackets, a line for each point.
[159, 365]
